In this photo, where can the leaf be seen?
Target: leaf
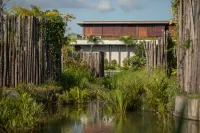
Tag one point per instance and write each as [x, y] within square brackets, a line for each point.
[188, 43]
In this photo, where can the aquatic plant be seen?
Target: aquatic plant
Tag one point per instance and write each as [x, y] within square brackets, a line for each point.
[19, 112]
[117, 100]
[145, 92]
[74, 95]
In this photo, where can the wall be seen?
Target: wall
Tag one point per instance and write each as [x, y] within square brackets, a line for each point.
[113, 49]
[115, 31]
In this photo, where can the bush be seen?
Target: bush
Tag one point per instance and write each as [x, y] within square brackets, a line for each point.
[19, 112]
[76, 73]
[114, 63]
[145, 92]
[160, 92]
[137, 62]
[110, 66]
[75, 95]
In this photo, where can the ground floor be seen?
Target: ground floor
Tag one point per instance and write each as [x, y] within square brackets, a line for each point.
[113, 49]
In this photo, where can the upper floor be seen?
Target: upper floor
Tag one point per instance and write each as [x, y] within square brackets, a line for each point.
[116, 29]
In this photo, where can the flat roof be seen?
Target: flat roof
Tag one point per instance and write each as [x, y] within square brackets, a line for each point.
[122, 22]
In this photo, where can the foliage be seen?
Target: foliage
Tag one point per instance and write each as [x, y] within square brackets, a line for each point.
[140, 51]
[75, 73]
[155, 92]
[19, 10]
[127, 40]
[93, 40]
[137, 62]
[117, 99]
[68, 40]
[126, 63]
[19, 112]
[110, 66]
[172, 58]
[174, 12]
[160, 92]
[75, 95]
[174, 9]
[134, 62]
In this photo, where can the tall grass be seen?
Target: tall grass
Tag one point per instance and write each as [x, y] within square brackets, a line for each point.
[75, 95]
[76, 73]
[117, 100]
[19, 113]
[140, 91]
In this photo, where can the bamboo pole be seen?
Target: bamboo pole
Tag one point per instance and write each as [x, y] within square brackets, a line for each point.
[5, 41]
[1, 45]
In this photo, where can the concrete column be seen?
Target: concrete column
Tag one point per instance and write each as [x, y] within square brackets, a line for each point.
[119, 49]
[110, 54]
[187, 107]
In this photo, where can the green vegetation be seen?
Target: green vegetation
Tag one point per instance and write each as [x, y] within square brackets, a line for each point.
[75, 95]
[111, 66]
[136, 90]
[131, 89]
[138, 60]
[94, 41]
[19, 112]
[128, 41]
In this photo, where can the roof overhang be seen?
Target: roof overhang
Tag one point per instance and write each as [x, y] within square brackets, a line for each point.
[121, 22]
[108, 42]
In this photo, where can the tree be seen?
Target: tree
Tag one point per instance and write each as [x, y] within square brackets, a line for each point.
[93, 40]
[128, 41]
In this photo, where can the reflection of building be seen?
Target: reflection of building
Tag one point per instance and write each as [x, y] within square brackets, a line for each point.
[97, 124]
[110, 31]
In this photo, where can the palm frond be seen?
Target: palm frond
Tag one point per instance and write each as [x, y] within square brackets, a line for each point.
[127, 40]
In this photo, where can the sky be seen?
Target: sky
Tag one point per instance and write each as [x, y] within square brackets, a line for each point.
[103, 10]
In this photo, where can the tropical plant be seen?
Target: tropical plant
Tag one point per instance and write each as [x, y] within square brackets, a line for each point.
[93, 40]
[74, 95]
[128, 41]
[19, 112]
[157, 92]
[117, 100]
[136, 62]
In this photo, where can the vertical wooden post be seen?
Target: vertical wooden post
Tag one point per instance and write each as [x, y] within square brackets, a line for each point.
[5, 41]
[101, 64]
[12, 36]
[1, 45]
[155, 54]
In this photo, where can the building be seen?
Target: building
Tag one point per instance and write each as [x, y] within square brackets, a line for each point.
[110, 31]
[116, 29]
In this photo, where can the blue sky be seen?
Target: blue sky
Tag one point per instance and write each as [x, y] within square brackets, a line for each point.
[104, 10]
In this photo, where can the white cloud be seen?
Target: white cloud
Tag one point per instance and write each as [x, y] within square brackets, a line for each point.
[104, 5]
[53, 3]
[100, 5]
[129, 5]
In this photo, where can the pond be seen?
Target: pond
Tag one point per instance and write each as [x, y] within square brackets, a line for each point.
[93, 119]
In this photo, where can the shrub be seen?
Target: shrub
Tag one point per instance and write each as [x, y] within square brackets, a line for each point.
[75, 95]
[19, 112]
[110, 66]
[137, 62]
[76, 73]
[145, 92]
[117, 99]
[114, 63]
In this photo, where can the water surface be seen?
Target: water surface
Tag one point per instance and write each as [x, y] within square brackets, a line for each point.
[93, 119]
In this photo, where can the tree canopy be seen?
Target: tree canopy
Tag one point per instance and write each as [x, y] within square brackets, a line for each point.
[93, 40]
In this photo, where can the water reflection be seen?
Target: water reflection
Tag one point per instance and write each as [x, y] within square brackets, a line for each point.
[187, 126]
[94, 119]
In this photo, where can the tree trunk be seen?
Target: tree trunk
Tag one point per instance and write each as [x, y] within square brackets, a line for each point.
[91, 48]
[189, 46]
